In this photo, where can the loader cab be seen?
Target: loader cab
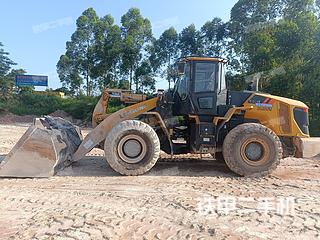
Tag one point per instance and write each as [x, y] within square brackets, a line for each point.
[201, 86]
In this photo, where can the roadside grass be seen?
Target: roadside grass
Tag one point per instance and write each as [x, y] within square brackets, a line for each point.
[38, 104]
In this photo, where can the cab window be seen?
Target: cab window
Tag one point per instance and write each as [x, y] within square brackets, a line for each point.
[205, 76]
[222, 83]
[184, 82]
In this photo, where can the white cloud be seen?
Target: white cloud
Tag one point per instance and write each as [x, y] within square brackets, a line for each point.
[165, 23]
[52, 24]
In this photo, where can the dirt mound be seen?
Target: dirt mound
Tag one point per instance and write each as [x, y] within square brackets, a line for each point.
[8, 117]
[60, 113]
[65, 116]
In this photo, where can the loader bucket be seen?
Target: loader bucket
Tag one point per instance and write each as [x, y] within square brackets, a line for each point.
[44, 149]
[307, 147]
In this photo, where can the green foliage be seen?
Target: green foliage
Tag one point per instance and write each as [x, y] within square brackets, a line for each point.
[315, 127]
[32, 103]
[236, 82]
[190, 41]
[5, 61]
[77, 64]
[144, 78]
[166, 52]
[108, 52]
[80, 107]
[136, 33]
[6, 77]
[214, 37]
[100, 53]
[69, 75]
[3, 106]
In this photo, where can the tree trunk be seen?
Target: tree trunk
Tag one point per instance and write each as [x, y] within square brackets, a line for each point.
[88, 71]
[88, 91]
[169, 66]
[131, 76]
[137, 85]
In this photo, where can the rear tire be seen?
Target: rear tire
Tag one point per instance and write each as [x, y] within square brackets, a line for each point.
[252, 149]
[132, 148]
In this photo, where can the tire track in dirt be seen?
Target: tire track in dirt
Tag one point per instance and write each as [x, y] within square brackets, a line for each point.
[160, 205]
[74, 210]
[90, 219]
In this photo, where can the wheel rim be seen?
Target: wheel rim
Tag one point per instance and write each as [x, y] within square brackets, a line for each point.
[255, 151]
[132, 149]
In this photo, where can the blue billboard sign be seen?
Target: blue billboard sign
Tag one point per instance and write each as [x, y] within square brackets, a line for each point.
[31, 80]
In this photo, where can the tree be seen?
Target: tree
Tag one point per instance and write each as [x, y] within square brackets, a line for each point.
[296, 8]
[84, 43]
[5, 61]
[80, 60]
[101, 54]
[167, 52]
[6, 78]
[190, 41]
[107, 52]
[69, 75]
[247, 17]
[214, 36]
[136, 33]
[144, 78]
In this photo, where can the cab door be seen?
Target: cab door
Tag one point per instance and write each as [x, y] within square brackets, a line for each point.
[205, 76]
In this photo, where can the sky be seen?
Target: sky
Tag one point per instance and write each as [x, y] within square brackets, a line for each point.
[35, 32]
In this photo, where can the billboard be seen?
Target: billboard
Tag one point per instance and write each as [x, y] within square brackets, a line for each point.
[31, 80]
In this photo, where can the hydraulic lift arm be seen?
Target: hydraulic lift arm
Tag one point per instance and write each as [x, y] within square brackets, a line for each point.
[124, 96]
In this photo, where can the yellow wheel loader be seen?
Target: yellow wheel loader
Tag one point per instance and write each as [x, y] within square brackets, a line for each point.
[253, 131]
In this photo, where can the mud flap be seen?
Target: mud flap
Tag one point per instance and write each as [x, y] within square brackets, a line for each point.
[44, 149]
[307, 147]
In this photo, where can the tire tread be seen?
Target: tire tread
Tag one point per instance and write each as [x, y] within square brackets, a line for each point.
[131, 125]
[249, 128]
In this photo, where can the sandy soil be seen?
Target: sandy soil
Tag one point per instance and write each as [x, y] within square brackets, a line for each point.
[176, 200]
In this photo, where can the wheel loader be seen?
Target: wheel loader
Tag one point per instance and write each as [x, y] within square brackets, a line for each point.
[250, 130]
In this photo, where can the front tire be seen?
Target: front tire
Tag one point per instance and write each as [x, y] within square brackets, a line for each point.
[132, 148]
[252, 149]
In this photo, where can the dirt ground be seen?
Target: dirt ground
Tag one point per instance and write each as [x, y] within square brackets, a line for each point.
[176, 200]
